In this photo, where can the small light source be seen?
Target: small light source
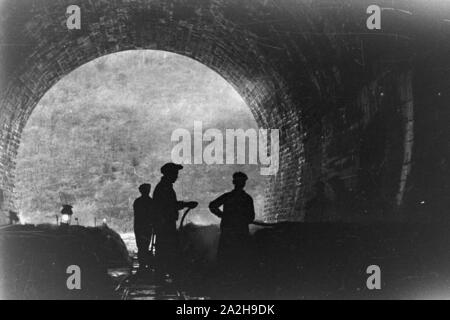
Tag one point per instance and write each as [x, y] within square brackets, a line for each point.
[382, 94]
[439, 94]
[422, 202]
[104, 221]
[65, 218]
[66, 214]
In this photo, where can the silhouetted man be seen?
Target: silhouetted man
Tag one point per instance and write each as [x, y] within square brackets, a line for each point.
[143, 221]
[165, 198]
[237, 213]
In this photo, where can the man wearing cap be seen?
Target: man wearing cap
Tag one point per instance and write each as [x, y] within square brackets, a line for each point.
[167, 211]
[237, 213]
[143, 221]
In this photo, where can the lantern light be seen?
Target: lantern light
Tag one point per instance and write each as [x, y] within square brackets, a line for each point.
[65, 218]
[66, 214]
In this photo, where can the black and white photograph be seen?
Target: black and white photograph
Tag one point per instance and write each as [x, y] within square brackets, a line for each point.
[224, 154]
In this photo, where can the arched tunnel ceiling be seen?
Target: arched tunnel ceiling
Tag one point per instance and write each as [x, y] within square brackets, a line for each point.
[345, 98]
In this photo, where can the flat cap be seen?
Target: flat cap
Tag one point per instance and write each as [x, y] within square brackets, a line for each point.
[240, 176]
[170, 168]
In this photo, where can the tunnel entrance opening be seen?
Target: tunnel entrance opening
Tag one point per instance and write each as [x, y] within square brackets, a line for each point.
[109, 125]
[363, 118]
[323, 88]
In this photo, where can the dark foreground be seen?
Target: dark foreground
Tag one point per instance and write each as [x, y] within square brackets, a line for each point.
[288, 261]
[35, 260]
[329, 261]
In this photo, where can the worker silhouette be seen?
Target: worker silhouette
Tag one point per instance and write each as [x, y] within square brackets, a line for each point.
[143, 224]
[237, 213]
[165, 198]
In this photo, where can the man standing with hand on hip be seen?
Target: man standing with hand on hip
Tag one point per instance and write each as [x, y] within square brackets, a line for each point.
[237, 213]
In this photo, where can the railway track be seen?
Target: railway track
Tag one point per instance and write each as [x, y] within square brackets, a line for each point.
[147, 286]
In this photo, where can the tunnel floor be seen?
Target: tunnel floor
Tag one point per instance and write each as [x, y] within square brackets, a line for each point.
[322, 261]
[289, 261]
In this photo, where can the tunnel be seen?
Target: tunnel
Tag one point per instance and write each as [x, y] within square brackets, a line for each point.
[362, 113]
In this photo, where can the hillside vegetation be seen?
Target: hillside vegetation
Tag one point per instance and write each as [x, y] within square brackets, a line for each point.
[106, 127]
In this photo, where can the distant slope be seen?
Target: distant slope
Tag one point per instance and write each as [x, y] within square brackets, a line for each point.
[106, 127]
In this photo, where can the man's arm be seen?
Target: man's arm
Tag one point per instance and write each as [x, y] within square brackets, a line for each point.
[136, 210]
[251, 211]
[187, 204]
[216, 204]
[134, 206]
[181, 205]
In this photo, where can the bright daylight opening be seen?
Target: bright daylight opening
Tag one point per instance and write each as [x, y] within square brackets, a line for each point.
[106, 127]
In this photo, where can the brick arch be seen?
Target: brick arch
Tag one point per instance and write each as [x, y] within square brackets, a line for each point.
[249, 73]
[310, 69]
